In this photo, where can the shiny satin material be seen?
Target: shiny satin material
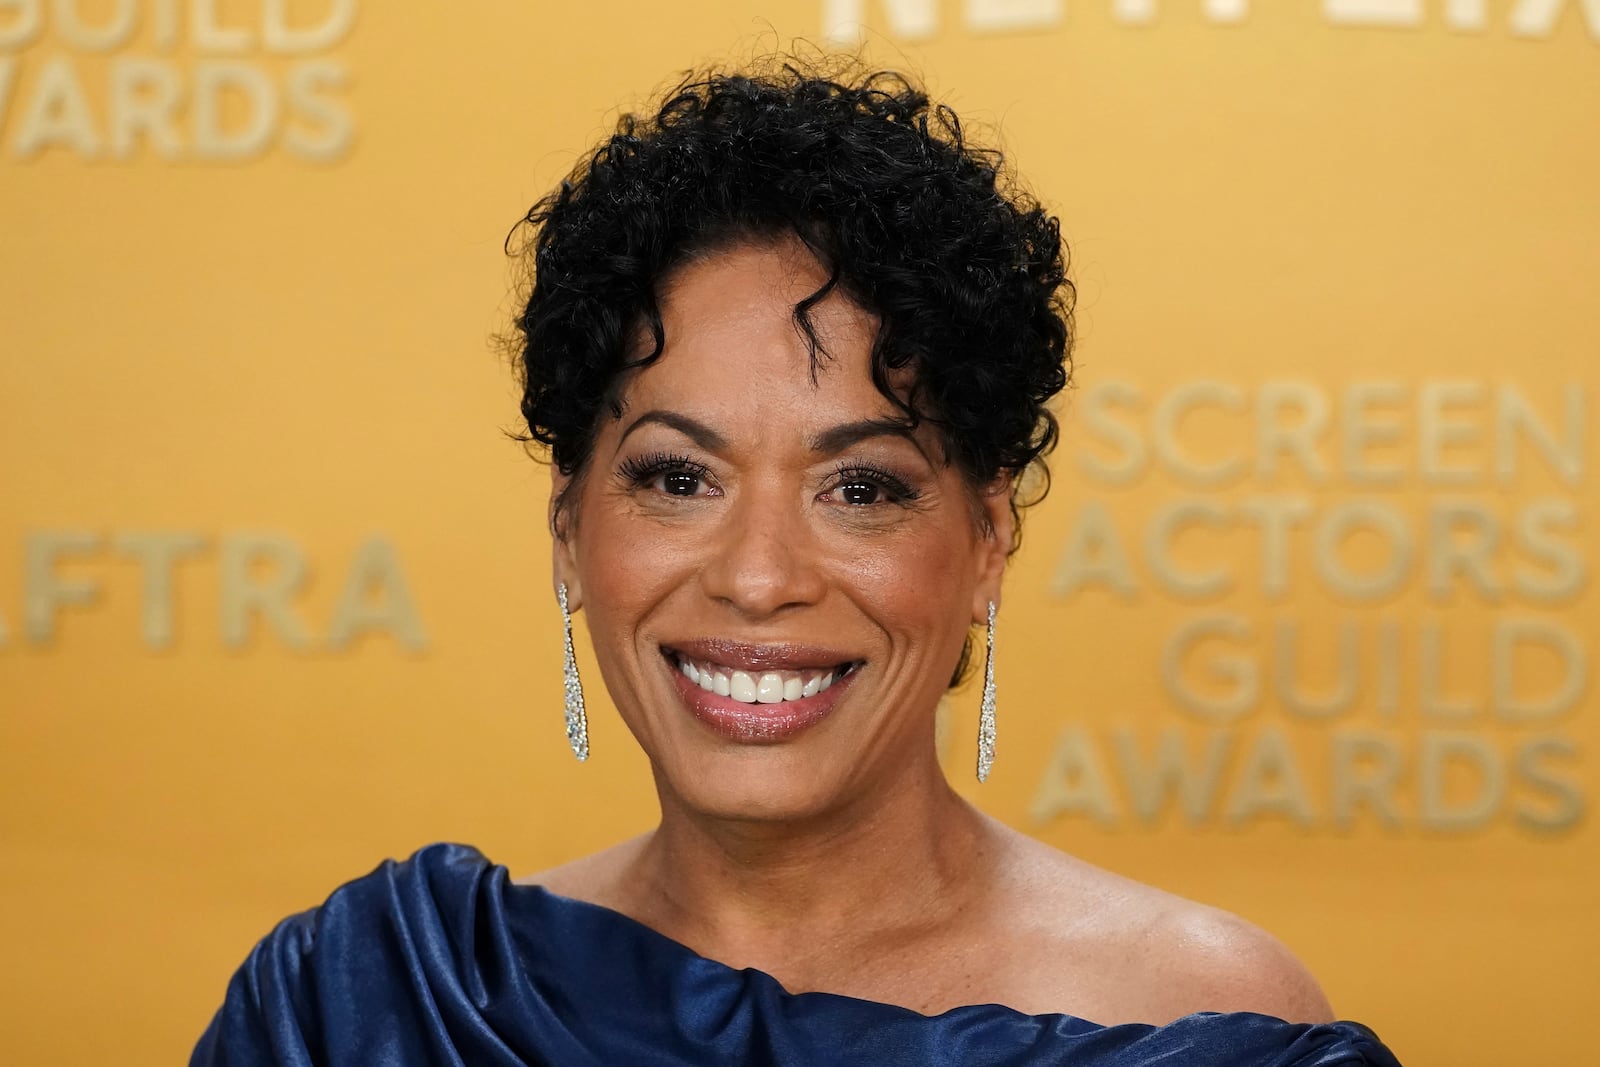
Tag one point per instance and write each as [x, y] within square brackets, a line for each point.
[442, 960]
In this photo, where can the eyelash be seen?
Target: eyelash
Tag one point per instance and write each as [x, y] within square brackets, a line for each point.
[896, 487]
[639, 471]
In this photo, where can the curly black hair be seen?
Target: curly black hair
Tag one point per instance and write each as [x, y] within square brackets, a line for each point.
[965, 273]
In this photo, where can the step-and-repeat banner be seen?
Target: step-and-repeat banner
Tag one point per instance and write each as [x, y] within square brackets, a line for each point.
[1306, 628]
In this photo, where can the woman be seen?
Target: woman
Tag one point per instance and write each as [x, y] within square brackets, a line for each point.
[789, 343]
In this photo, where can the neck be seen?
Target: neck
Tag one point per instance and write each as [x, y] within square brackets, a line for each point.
[747, 892]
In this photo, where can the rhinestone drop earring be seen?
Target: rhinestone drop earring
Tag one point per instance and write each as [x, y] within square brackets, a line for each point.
[577, 721]
[986, 714]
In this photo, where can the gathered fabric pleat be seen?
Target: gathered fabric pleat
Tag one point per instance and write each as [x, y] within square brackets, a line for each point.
[442, 960]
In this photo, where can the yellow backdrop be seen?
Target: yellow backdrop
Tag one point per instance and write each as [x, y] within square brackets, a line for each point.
[1304, 629]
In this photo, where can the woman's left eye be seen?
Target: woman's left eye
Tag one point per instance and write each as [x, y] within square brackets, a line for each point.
[859, 493]
[861, 487]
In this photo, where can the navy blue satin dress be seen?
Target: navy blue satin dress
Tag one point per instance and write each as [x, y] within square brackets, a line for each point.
[441, 960]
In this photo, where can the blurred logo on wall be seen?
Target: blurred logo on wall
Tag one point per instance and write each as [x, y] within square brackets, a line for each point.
[844, 21]
[1367, 599]
[177, 80]
[259, 583]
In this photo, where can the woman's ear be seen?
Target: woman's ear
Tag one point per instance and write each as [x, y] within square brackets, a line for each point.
[994, 548]
[563, 549]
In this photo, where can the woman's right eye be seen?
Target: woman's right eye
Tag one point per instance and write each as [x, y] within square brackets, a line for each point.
[668, 474]
[678, 483]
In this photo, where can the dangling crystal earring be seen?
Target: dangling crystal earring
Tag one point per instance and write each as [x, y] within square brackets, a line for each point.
[986, 714]
[577, 721]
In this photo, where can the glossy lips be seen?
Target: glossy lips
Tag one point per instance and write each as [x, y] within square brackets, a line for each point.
[758, 694]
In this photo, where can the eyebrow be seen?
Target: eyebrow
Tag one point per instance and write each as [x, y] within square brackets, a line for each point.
[829, 442]
[693, 429]
[836, 439]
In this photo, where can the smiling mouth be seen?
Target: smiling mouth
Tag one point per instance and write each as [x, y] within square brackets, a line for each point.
[758, 686]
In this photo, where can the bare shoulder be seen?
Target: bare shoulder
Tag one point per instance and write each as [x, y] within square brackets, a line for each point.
[1229, 964]
[1147, 955]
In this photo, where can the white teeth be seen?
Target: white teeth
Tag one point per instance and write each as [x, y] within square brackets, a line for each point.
[768, 687]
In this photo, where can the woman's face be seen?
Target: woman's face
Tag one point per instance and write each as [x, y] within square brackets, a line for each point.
[777, 576]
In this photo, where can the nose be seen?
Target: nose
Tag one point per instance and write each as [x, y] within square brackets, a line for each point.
[763, 558]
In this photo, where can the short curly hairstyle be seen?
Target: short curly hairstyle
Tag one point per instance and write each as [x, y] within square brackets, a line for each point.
[965, 273]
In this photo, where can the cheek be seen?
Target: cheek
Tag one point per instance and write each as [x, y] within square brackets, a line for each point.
[919, 588]
[626, 575]
[624, 572]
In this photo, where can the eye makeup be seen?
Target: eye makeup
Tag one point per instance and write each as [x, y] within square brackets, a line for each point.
[856, 472]
[638, 471]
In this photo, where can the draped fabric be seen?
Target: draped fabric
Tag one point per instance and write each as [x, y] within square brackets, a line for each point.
[441, 960]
